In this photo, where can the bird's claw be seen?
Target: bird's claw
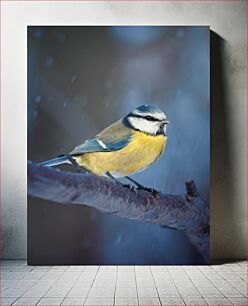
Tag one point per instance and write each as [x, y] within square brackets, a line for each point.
[130, 187]
[154, 192]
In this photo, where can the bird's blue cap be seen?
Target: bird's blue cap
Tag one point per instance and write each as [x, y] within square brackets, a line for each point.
[148, 109]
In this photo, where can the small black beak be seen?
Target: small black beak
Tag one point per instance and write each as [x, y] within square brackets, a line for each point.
[165, 122]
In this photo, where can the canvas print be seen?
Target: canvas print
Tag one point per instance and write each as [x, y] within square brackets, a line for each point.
[118, 145]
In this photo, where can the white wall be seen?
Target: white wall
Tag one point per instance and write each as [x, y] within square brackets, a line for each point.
[229, 143]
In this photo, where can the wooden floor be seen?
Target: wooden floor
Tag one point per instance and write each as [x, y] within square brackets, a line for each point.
[123, 285]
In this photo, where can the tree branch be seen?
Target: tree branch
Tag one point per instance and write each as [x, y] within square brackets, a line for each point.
[188, 213]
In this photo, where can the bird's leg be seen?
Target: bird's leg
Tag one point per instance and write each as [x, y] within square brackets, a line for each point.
[113, 178]
[141, 187]
[74, 163]
[135, 182]
[118, 182]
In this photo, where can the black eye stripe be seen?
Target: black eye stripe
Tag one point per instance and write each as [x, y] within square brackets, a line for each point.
[149, 118]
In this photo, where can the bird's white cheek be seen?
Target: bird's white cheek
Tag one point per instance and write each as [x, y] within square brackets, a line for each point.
[165, 129]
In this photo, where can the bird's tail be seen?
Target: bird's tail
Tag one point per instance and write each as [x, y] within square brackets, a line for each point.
[62, 159]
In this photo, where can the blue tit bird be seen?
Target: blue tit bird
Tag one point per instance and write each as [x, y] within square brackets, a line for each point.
[126, 147]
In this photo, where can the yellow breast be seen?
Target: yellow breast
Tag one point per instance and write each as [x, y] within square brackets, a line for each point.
[141, 152]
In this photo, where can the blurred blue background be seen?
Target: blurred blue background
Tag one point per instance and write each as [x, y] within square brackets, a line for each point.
[80, 80]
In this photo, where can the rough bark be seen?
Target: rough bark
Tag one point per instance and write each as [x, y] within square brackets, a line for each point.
[187, 212]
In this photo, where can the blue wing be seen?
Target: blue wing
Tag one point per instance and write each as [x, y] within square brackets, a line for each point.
[113, 138]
